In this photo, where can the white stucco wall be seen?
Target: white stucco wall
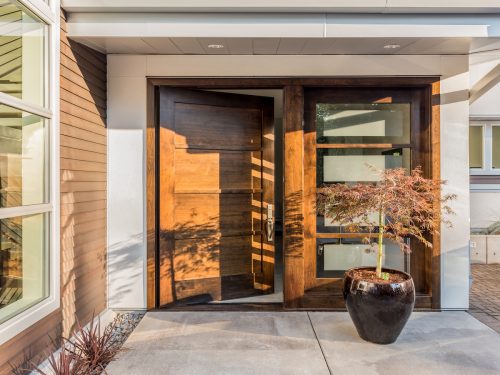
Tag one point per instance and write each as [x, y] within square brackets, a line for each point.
[488, 105]
[484, 208]
[126, 145]
[485, 205]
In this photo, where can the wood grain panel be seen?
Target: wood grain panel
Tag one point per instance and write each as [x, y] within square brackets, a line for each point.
[83, 205]
[201, 215]
[217, 288]
[293, 228]
[217, 127]
[212, 257]
[215, 170]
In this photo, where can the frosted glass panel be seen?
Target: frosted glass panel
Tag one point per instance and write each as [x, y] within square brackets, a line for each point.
[338, 257]
[476, 147]
[353, 165]
[495, 144]
[351, 168]
[363, 123]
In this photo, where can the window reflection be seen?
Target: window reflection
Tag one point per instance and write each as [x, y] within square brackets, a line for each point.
[23, 263]
[23, 39]
[363, 123]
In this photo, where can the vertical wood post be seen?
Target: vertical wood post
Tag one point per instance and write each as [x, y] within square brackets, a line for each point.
[293, 230]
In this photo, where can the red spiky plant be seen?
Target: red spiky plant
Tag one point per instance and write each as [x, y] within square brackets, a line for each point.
[407, 205]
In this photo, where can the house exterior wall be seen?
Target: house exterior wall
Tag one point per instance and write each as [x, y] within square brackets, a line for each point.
[83, 181]
[485, 190]
[126, 147]
[83, 204]
[482, 212]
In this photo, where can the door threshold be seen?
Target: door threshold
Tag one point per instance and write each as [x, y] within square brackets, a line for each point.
[262, 306]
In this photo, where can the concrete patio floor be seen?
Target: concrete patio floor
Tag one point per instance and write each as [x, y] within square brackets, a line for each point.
[304, 343]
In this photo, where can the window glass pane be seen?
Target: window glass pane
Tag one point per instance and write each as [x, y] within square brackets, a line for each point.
[495, 144]
[352, 165]
[23, 52]
[338, 255]
[363, 123]
[476, 147]
[23, 263]
[23, 155]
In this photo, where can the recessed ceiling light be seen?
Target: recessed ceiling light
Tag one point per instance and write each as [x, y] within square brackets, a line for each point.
[392, 46]
[215, 46]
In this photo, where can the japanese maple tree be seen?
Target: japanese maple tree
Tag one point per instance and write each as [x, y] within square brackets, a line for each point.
[406, 205]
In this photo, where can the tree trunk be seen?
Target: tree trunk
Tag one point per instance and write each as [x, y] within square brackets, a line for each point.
[380, 243]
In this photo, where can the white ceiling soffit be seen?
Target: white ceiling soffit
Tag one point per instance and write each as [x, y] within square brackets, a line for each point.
[278, 46]
[253, 25]
[311, 6]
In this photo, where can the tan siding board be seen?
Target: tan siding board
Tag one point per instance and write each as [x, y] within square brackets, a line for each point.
[82, 134]
[80, 144]
[74, 154]
[81, 176]
[80, 102]
[83, 68]
[68, 209]
[81, 113]
[83, 186]
[77, 229]
[79, 165]
[83, 93]
[76, 54]
[86, 251]
[81, 218]
[69, 119]
[92, 83]
[86, 84]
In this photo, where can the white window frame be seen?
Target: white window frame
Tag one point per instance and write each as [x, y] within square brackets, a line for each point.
[49, 13]
[487, 169]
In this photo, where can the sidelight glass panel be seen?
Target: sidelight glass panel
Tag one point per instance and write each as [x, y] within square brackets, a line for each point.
[363, 123]
[335, 256]
[495, 146]
[476, 147]
[355, 164]
[23, 53]
[23, 158]
[23, 263]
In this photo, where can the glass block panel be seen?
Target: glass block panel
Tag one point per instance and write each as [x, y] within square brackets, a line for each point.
[353, 165]
[476, 147]
[495, 144]
[23, 158]
[363, 123]
[23, 263]
[23, 53]
[335, 256]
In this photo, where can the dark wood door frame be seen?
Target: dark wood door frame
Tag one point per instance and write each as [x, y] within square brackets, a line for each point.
[294, 230]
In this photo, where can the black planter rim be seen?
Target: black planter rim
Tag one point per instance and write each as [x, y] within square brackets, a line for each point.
[409, 279]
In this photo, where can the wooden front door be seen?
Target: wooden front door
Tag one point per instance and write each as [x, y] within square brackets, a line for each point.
[215, 195]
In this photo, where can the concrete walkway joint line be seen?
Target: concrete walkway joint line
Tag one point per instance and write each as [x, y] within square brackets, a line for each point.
[319, 343]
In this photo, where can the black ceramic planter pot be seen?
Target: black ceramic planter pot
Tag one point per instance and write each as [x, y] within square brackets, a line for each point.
[379, 311]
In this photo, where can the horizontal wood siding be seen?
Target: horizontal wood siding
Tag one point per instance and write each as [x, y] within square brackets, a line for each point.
[83, 153]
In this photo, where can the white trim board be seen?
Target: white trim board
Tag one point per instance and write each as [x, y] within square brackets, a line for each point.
[347, 6]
